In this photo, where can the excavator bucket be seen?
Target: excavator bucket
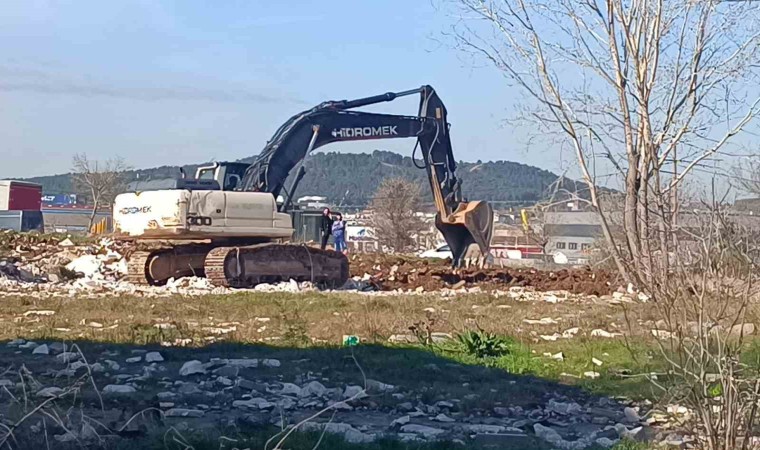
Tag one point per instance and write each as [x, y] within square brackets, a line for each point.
[468, 231]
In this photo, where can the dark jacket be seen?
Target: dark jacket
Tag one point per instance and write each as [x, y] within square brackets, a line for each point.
[326, 226]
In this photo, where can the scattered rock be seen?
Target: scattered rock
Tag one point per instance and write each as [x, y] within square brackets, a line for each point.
[118, 389]
[254, 403]
[403, 420]
[485, 429]
[290, 389]
[422, 430]
[443, 418]
[604, 334]
[182, 412]
[564, 409]
[314, 388]
[134, 359]
[349, 433]
[41, 350]
[376, 386]
[67, 357]
[152, 357]
[67, 437]
[631, 415]
[192, 368]
[354, 391]
[50, 392]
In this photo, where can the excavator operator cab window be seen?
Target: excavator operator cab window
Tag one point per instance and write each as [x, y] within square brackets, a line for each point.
[206, 174]
[230, 182]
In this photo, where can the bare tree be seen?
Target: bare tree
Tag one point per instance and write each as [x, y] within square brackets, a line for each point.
[394, 218]
[747, 175]
[648, 90]
[104, 180]
[647, 93]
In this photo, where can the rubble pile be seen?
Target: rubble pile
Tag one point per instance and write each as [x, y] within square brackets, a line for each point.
[47, 258]
[27, 260]
[203, 393]
[390, 272]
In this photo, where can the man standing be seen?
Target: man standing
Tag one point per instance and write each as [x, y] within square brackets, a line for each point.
[339, 233]
[326, 227]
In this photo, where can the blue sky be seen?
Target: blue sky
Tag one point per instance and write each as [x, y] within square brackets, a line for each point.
[167, 82]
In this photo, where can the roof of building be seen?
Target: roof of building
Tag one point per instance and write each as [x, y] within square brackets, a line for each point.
[573, 230]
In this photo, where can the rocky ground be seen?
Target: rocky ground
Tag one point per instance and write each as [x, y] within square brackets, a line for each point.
[93, 361]
[99, 394]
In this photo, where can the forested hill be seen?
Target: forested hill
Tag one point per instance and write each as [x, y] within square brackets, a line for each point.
[352, 178]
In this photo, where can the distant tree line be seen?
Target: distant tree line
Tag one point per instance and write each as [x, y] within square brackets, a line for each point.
[353, 178]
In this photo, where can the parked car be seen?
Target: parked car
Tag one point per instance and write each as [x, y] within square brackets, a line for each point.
[442, 252]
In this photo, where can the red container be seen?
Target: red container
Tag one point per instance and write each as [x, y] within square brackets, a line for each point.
[20, 196]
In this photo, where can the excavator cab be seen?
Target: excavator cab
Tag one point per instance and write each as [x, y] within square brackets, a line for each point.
[226, 174]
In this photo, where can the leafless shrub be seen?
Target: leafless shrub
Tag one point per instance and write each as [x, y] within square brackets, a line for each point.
[104, 180]
[702, 330]
[394, 206]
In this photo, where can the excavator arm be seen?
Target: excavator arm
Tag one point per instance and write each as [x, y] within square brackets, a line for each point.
[466, 226]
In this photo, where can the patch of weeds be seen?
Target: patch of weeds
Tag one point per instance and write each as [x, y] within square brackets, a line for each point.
[627, 444]
[423, 329]
[482, 344]
[294, 327]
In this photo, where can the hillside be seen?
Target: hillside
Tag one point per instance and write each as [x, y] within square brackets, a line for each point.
[352, 178]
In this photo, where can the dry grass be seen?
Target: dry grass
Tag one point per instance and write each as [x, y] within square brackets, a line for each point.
[296, 318]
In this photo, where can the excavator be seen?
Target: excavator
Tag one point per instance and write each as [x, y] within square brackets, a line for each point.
[226, 224]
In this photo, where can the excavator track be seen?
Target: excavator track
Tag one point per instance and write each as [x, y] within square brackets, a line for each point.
[136, 267]
[245, 267]
[239, 266]
[214, 266]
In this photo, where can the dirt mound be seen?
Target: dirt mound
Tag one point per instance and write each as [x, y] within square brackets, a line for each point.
[389, 272]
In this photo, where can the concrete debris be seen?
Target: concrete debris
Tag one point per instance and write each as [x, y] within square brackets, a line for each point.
[422, 430]
[286, 286]
[604, 334]
[541, 321]
[98, 269]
